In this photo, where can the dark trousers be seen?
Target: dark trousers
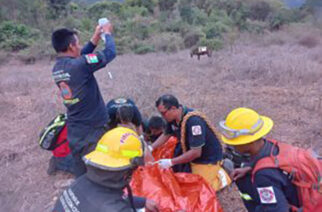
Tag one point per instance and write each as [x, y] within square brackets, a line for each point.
[64, 163]
[245, 187]
[82, 144]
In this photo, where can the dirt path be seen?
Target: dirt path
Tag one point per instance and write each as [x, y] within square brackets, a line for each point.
[283, 82]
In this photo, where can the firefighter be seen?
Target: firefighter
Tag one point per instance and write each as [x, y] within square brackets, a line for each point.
[73, 73]
[272, 189]
[109, 169]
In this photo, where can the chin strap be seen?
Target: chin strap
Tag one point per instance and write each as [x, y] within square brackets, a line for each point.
[130, 196]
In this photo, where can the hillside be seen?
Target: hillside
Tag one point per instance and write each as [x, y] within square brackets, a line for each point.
[143, 26]
[278, 74]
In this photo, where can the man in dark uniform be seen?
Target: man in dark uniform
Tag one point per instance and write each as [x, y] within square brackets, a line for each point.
[272, 189]
[204, 150]
[112, 107]
[74, 75]
[109, 169]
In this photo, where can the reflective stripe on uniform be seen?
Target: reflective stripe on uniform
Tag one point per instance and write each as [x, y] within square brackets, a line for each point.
[245, 196]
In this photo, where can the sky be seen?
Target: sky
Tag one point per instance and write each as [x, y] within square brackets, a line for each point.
[294, 3]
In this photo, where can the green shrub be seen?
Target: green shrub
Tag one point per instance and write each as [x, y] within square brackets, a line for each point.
[73, 23]
[186, 13]
[167, 4]
[123, 44]
[86, 24]
[58, 7]
[15, 37]
[15, 44]
[101, 9]
[130, 12]
[143, 48]
[148, 4]
[256, 26]
[214, 44]
[220, 16]
[176, 26]
[216, 29]
[260, 10]
[200, 17]
[73, 7]
[138, 29]
[168, 42]
[192, 38]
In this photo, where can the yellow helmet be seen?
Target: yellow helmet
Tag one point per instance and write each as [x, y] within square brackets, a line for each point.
[243, 126]
[116, 150]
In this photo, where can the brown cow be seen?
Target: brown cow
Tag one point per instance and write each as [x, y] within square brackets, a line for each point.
[201, 50]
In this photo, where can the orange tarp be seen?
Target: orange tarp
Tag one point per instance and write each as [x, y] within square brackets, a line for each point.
[174, 191]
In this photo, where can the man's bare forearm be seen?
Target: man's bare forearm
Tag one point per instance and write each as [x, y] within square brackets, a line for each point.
[187, 157]
[161, 140]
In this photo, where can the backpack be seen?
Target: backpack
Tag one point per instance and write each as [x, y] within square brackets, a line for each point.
[304, 170]
[48, 136]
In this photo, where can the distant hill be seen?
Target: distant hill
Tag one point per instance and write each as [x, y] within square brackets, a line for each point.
[294, 3]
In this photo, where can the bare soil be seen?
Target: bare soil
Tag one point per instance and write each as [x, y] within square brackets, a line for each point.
[281, 79]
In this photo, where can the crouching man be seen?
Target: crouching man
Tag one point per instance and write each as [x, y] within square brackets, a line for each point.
[198, 150]
[109, 169]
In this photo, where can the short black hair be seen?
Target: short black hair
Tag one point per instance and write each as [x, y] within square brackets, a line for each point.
[125, 114]
[167, 101]
[62, 38]
[156, 122]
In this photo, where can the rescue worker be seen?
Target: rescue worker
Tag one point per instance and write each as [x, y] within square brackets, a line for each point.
[74, 75]
[272, 190]
[109, 169]
[199, 151]
[112, 107]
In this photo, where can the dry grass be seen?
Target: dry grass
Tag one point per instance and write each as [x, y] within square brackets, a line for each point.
[282, 80]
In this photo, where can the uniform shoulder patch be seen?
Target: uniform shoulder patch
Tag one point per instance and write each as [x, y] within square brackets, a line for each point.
[196, 130]
[267, 195]
[91, 58]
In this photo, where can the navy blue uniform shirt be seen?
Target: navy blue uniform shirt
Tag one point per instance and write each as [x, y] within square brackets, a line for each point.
[198, 134]
[86, 196]
[272, 190]
[114, 104]
[79, 88]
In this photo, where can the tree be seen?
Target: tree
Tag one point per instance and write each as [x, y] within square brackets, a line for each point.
[186, 14]
[167, 4]
[260, 10]
[149, 4]
[58, 6]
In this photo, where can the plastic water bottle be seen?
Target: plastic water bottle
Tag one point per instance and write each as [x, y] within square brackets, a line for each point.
[102, 22]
